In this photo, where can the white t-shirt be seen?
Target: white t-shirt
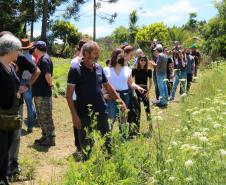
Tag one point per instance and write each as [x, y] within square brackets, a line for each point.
[119, 82]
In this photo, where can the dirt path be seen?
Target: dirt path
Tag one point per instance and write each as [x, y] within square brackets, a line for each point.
[48, 166]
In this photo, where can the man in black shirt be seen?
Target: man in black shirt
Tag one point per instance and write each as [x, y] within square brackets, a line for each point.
[42, 92]
[197, 58]
[86, 79]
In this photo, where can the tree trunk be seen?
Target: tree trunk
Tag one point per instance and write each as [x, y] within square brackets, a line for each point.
[32, 20]
[94, 20]
[44, 20]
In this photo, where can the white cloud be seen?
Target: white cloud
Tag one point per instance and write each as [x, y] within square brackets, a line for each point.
[100, 30]
[172, 13]
[121, 7]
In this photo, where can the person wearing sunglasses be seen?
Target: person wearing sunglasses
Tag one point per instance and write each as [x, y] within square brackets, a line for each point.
[143, 77]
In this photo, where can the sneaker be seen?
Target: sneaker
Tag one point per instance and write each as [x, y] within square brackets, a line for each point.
[156, 101]
[48, 142]
[37, 141]
[171, 98]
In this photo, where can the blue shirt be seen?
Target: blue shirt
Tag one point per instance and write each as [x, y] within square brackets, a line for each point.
[88, 85]
[190, 62]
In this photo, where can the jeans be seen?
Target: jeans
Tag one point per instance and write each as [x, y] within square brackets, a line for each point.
[179, 75]
[163, 98]
[156, 85]
[112, 105]
[6, 138]
[31, 113]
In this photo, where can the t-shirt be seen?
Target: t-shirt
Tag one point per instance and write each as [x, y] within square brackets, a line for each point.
[41, 87]
[9, 83]
[24, 65]
[141, 76]
[88, 88]
[26, 74]
[196, 56]
[161, 64]
[119, 82]
[169, 61]
[190, 62]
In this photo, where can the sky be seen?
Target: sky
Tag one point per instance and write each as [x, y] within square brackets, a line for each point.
[170, 12]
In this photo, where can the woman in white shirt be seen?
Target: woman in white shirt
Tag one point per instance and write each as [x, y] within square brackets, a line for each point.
[120, 77]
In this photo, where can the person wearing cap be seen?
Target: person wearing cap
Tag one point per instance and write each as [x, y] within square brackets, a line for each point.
[139, 53]
[197, 57]
[9, 83]
[42, 93]
[161, 75]
[25, 66]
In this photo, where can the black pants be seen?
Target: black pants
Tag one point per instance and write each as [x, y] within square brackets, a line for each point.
[88, 125]
[76, 137]
[189, 80]
[146, 102]
[6, 138]
[157, 94]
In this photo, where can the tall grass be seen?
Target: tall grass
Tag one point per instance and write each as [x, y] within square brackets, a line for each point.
[195, 155]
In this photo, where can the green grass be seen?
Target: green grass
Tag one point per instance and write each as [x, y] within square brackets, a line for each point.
[188, 145]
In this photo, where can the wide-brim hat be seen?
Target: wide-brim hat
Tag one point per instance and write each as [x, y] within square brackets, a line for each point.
[26, 44]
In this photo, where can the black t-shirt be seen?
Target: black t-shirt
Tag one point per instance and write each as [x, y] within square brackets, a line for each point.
[169, 61]
[41, 87]
[88, 88]
[24, 65]
[9, 83]
[196, 56]
[141, 75]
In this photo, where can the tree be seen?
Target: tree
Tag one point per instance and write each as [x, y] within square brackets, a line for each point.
[72, 12]
[154, 31]
[10, 16]
[192, 22]
[133, 29]
[67, 32]
[120, 35]
[215, 33]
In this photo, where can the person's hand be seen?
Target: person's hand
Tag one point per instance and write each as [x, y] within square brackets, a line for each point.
[23, 88]
[146, 95]
[140, 89]
[76, 121]
[123, 106]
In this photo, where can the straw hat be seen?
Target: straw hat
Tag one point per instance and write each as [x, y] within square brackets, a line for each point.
[26, 44]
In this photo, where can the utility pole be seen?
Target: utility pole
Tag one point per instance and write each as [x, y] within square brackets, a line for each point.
[94, 20]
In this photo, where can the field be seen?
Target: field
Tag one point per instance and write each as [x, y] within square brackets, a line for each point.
[187, 146]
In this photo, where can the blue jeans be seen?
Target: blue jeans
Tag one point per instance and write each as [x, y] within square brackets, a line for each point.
[31, 113]
[163, 91]
[112, 105]
[179, 75]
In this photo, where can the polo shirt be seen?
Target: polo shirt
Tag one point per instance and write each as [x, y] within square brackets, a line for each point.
[41, 87]
[88, 88]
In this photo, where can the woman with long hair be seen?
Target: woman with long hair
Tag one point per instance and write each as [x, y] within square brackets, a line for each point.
[119, 76]
[143, 77]
[180, 74]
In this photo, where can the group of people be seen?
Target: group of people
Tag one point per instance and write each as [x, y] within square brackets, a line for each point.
[123, 85]
[25, 74]
[106, 95]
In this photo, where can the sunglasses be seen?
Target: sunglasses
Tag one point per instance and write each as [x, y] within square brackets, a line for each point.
[143, 60]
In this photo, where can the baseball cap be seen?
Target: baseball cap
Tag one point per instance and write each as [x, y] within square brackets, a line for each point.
[40, 45]
[158, 47]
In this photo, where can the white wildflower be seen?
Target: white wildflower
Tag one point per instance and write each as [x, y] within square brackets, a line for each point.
[177, 130]
[217, 125]
[185, 146]
[223, 152]
[174, 143]
[188, 163]
[206, 129]
[203, 139]
[197, 134]
[195, 113]
[194, 148]
[185, 129]
[171, 178]
[189, 179]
